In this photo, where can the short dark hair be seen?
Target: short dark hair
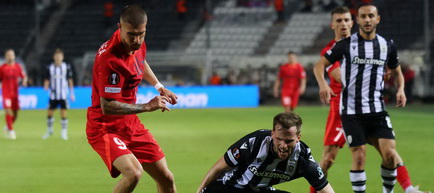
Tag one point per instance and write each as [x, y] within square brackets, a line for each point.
[288, 120]
[291, 53]
[340, 10]
[58, 51]
[367, 4]
[134, 15]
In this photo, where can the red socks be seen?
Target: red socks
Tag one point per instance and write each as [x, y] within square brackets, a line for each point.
[403, 177]
[9, 121]
[312, 190]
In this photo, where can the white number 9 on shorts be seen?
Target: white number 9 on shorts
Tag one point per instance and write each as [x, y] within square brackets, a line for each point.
[120, 143]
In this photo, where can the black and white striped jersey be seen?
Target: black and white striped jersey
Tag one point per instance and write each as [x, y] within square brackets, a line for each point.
[255, 166]
[363, 67]
[58, 77]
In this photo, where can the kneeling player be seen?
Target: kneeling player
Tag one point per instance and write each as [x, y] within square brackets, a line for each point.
[264, 158]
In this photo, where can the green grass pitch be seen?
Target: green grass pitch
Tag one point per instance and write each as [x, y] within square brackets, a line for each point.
[193, 139]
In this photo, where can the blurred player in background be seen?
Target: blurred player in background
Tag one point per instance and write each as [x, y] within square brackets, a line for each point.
[294, 82]
[265, 158]
[58, 80]
[363, 51]
[10, 73]
[334, 138]
[113, 129]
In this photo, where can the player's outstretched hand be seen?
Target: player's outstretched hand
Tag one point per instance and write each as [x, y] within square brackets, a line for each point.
[158, 102]
[325, 94]
[401, 99]
[172, 98]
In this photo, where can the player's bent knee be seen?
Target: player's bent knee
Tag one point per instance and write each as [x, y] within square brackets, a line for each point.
[389, 157]
[133, 174]
[327, 163]
[168, 179]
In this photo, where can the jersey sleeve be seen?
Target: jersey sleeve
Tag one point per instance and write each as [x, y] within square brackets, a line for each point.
[69, 72]
[313, 172]
[393, 60]
[332, 67]
[22, 74]
[280, 73]
[336, 53]
[110, 80]
[302, 72]
[240, 152]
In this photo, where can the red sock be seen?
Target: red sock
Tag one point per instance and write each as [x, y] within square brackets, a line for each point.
[9, 121]
[403, 177]
[312, 190]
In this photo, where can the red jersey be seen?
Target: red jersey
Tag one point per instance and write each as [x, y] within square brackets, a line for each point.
[116, 75]
[291, 75]
[334, 85]
[9, 75]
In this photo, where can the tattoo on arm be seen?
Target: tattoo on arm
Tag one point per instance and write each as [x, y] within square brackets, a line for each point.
[113, 107]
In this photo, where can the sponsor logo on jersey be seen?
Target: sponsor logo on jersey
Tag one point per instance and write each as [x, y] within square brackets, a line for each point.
[320, 173]
[357, 60]
[267, 174]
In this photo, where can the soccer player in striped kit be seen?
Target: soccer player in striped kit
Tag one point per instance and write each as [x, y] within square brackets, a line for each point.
[364, 57]
[334, 138]
[58, 81]
[265, 158]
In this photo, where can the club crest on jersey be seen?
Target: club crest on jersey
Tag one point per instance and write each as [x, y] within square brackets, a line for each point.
[383, 48]
[113, 79]
[236, 153]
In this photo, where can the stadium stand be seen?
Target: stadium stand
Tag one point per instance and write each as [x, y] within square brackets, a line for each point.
[300, 33]
[83, 27]
[18, 22]
[235, 31]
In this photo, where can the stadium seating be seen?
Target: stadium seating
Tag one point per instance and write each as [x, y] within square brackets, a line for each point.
[235, 31]
[18, 24]
[301, 31]
[83, 26]
[398, 21]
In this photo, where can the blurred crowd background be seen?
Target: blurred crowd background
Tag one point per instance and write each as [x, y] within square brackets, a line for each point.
[219, 42]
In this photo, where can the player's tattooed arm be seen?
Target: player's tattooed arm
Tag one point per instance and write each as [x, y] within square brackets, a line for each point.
[113, 107]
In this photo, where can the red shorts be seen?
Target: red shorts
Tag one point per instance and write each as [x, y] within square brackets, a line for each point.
[334, 134]
[111, 146]
[11, 103]
[290, 98]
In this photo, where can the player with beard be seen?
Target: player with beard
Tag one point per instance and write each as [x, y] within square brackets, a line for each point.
[113, 129]
[334, 138]
[265, 158]
[364, 56]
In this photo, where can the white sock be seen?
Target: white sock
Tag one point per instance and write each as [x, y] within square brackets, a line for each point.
[50, 122]
[64, 123]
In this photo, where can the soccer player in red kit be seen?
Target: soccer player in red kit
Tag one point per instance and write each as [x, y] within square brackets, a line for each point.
[334, 138]
[10, 72]
[294, 82]
[113, 129]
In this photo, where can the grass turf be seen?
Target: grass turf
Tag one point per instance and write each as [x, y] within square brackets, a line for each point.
[193, 139]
